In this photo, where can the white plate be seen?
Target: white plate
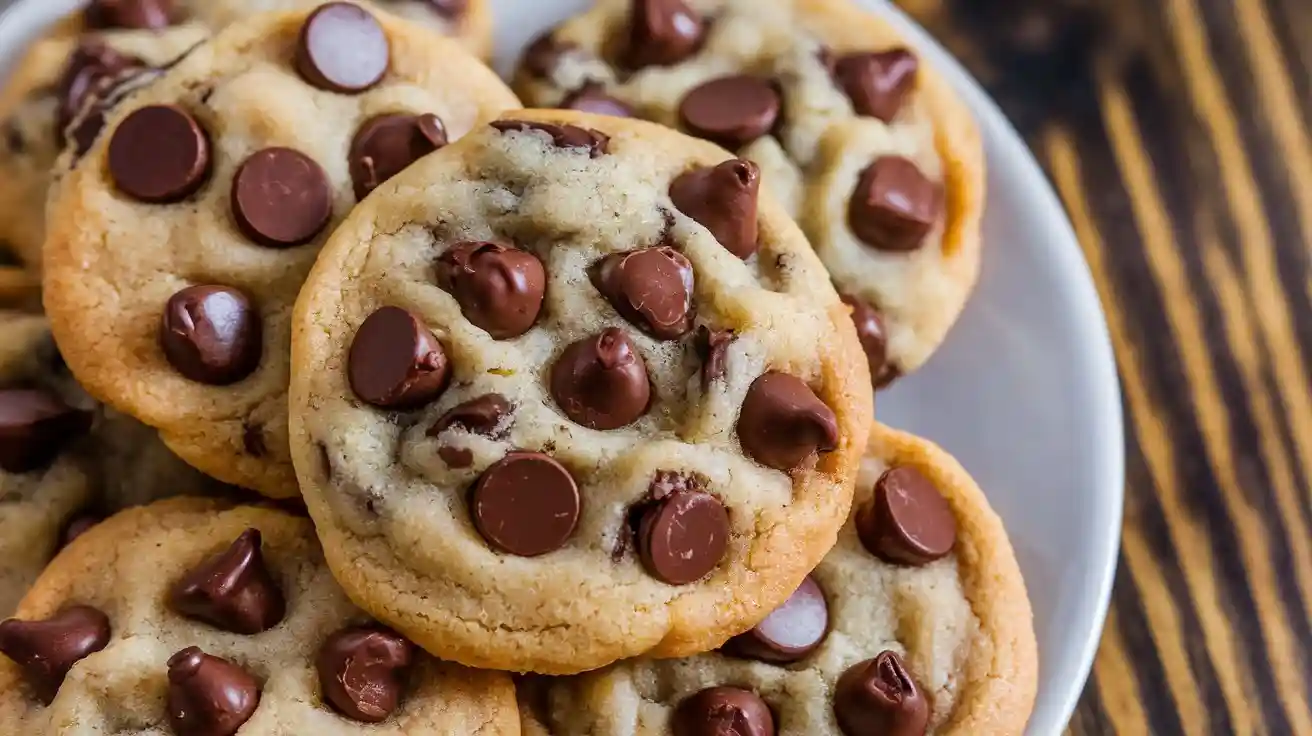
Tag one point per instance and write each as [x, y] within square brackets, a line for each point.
[1024, 393]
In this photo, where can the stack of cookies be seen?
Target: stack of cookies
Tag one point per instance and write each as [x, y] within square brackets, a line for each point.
[365, 401]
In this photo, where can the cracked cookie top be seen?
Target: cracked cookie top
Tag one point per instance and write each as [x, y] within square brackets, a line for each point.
[573, 390]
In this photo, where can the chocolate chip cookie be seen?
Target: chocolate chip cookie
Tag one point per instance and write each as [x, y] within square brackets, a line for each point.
[64, 461]
[574, 390]
[196, 619]
[868, 147]
[916, 623]
[180, 240]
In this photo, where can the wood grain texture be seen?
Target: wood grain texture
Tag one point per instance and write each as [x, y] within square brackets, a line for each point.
[1177, 133]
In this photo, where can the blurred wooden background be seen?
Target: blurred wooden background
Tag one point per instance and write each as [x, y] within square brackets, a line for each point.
[1177, 132]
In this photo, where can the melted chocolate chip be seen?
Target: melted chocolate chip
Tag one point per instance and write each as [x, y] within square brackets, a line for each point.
[527, 504]
[731, 111]
[783, 423]
[500, 288]
[713, 348]
[211, 334]
[683, 536]
[790, 632]
[601, 382]
[385, 145]
[723, 200]
[651, 288]
[879, 696]
[562, 136]
[396, 362]
[894, 205]
[878, 83]
[159, 154]
[232, 590]
[342, 48]
[35, 426]
[209, 696]
[281, 198]
[662, 32]
[725, 711]
[874, 340]
[484, 415]
[907, 521]
[47, 649]
[362, 671]
[90, 70]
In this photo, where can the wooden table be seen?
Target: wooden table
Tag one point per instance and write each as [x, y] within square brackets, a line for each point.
[1177, 132]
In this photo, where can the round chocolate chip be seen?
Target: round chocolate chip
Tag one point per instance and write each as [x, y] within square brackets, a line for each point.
[652, 288]
[878, 83]
[281, 198]
[663, 32]
[790, 632]
[601, 381]
[209, 696]
[484, 415]
[731, 111]
[47, 649]
[396, 362]
[232, 590]
[342, 48]
[159, 154]
[907, 521]
[724, 711]
[385, 145]
[527, 504]
[499, 288]
[723, 200]
[562, 136]
[879, 696]
[211, 334]
[35, 426]
[362, 671]
[128, 14]
[874, 340]
[894, 205]
[592, 98]
[783, 422]
[683, 537]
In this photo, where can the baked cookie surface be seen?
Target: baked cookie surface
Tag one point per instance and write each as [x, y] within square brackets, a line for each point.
[178, 243]
[868, 148]
[571, 391]
[916, 623]
[193, 618]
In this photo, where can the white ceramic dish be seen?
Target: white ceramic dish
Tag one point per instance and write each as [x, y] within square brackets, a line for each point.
[1024, 392]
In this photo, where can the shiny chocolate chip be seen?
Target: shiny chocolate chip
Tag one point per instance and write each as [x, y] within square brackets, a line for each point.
[209, 696]
[731, 111]
[878, 84]
[385, 145]
[46, 650]
[894, 205]
[281, 198]
[874, 340]
[723, 199]
[500, 288]
[662, 33]
[879, 696]
[601, 381]
[92, 67]
[362, 671]
[724, 711]
[396, 362]
[342, 48]
[128, 14]
[790, 632]
[527, 504]
[907, 521]
[783, 423]
[232, 590]
[159, 154]
[652, 288]
[35, 426]
[592, 98]
[562, 136]
[485, 416]
[212, 334]
[683, 536]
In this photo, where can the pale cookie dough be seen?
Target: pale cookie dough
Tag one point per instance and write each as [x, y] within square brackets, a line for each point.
[568, 393]
[869, 148]
[64, 461]
[192, 618]
[179, 242]
[916, 623]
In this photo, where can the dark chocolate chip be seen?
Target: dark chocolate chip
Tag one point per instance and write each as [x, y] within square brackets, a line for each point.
[731, 111]
[783, 423]
[209, 696]
[252, 440]
[128, 14]
[713, 348]
[232, 590]
[362, 671]
[662, 32]
[499, 288]
[342, 48]
[894, 205]
[790, 632]
[396, 362]
[907, 521]
[90, 70]
[542, 56]
[484, 415]
[592, 98]
[601, 381]
[46, 650]
[683, 536]
[14, 139]
[874, 340]
[527, 504]
[281, 198]
[81, 524]
[725, 711]
[35, 426]
[651, 288]
[562, 136]
[723, 200]
[878, 83]
[879, 696]
[159, 154]
[385, 145]
[212, 334]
